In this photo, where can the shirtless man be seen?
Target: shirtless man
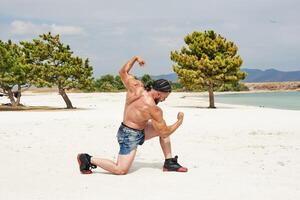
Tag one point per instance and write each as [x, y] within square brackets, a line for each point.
[142, 120]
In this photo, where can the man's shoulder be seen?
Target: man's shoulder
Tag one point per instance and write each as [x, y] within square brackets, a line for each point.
[138, 94]
[135, 82]
[156, 113]
[154, 109]
[137, 89]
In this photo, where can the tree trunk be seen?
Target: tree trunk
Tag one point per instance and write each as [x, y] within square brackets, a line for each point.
[18, 95]
[66, 98]
[11, 98]
[211, 96]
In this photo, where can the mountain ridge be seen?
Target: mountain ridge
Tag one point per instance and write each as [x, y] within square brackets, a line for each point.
[253, 75]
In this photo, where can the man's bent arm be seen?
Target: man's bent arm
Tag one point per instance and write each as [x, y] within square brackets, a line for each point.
[160, 125]
[170, 129]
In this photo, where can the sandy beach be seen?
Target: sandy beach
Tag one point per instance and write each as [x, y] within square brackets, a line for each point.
[232, 152]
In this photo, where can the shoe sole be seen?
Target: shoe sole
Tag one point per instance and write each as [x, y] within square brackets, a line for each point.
[79, 163]
[181, 169]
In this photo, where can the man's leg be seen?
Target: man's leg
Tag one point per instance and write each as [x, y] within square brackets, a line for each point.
[165, 143]
[120, 168]
[171, 163]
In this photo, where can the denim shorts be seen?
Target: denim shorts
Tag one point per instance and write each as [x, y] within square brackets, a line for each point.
[129, 139]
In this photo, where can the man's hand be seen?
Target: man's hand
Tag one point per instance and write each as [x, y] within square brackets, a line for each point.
[140, 61]
[180, 116]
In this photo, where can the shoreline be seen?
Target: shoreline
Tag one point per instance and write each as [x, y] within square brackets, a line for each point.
[199, 99]
[288, 85]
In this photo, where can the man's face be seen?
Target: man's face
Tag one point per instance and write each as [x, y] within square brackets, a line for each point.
[161, 96]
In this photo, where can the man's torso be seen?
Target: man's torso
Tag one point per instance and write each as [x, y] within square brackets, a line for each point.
[137, 109]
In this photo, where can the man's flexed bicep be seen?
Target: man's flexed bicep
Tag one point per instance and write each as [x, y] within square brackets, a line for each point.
[128, 80]
[159, 124]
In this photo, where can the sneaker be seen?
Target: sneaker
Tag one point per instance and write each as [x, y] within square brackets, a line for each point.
[171, 164]
[84, 161]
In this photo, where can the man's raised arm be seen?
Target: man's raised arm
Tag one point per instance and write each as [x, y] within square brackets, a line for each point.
[128, 79]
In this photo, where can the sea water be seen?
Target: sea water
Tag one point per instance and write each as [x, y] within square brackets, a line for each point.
[280, 100]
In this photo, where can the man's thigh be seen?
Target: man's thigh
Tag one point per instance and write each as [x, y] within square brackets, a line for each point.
[124, 162]
[150, 132]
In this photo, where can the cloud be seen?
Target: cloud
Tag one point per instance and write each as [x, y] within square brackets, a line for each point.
[19, 27]
[167, 42]
[66, 30]
[114, 30]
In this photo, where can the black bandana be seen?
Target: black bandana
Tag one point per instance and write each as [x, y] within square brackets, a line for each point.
[162, 85]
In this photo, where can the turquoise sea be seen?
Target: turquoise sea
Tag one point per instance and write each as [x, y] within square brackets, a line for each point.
[280, 100]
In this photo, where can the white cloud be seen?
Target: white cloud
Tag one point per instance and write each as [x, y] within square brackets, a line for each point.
[19, 27]
[117, 29]
[169, 42]
[66, 30]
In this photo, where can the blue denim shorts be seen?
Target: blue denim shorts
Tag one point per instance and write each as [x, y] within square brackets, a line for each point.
[129, 139]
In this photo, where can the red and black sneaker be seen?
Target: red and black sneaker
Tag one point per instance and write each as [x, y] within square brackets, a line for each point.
[171, 164]
[84, 161]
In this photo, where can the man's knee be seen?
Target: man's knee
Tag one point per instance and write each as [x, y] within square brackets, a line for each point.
[121, 171]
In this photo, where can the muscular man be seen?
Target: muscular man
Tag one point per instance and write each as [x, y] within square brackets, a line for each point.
[142, 120]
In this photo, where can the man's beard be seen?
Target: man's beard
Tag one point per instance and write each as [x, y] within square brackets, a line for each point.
[156, 101]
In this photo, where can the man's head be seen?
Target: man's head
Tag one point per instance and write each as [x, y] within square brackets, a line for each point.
[162, 89]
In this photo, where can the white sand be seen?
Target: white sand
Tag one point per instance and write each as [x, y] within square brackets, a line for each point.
[233, 152]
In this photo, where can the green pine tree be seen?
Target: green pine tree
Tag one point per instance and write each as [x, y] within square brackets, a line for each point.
[54, 64]
[208, 61]
[13, 71]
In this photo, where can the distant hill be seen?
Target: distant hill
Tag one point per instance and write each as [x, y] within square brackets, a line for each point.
[171, 77]
[254, 75]
[270, 75]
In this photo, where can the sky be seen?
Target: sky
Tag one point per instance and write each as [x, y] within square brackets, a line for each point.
[109, 33]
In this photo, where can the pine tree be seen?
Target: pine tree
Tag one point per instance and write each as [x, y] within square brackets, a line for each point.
[54, 64]
[13, 71]
[208, 61]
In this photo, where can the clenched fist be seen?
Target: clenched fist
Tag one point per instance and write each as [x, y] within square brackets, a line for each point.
[140, 60]
[180, 116]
